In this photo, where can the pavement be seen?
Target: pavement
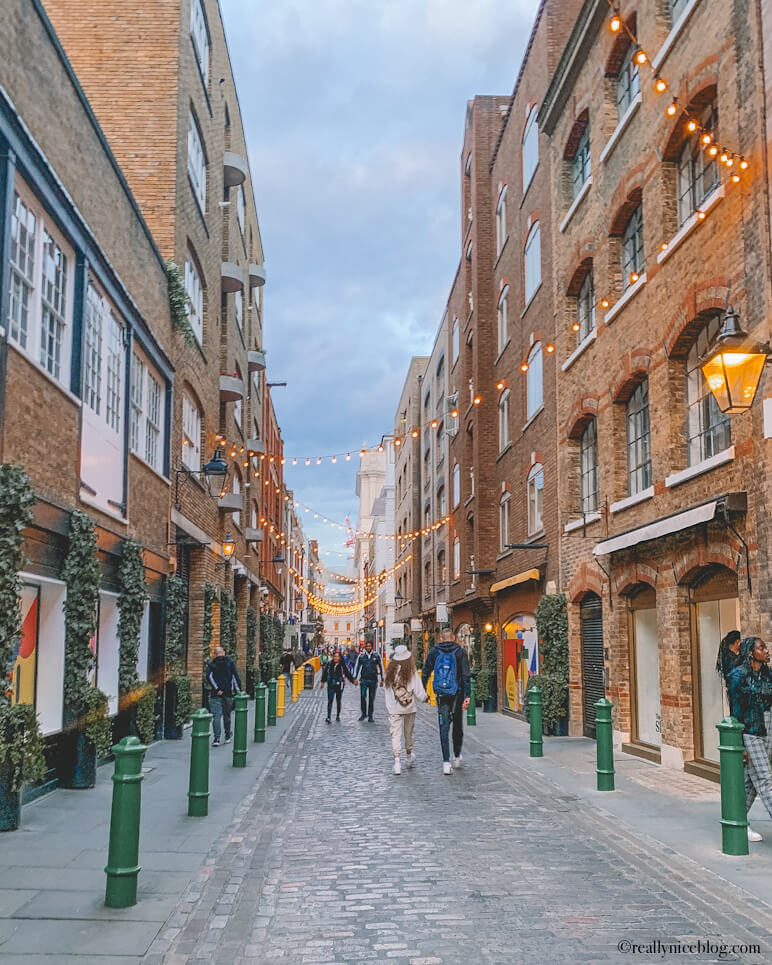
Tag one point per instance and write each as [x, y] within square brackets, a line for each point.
[316, 853]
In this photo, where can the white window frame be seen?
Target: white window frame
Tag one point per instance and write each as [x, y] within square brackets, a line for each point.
[240, 207]
[502, 320]
[191, 432]
[585, 308]
[504, 504]
[154, 422]
[708, 430]
[534, 379]
[532, 261]
[503, 407]
[199, 34]
[632, 247]
[195, 292]
[442, 507]
[698, 174]
[196, 162]
[535, 499]
[457, 559]
[238, 309]
[628, 83]
[530, 147]
[236, 490]
[588, 468]
[454, 337]
[456, 485]
[501, 220]
[581, 163]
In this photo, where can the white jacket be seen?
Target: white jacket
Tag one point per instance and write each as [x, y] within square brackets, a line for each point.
[393, 706]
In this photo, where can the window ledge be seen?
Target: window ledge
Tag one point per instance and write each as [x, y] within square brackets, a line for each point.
[633, 500]
[503, 350]
[118, 517]
[575, 204]
[527, 186]
[533, 417]
[534, 293]
[504, 451]
[468, 500]
[39, 368]
[691, 223]
[147, 465]
[501, 252]
[676, 478]
[671, 38]
[631, 292]
[619, 130]
[580, 348]
[581, 522]
[504, 554]
[535, 537]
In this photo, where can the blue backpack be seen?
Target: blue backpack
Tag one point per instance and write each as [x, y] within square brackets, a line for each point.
[445, 681]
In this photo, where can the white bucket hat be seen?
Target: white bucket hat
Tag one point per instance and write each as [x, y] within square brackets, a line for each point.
[401, 653]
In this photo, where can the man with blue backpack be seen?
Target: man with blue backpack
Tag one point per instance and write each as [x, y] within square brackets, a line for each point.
[449, 662]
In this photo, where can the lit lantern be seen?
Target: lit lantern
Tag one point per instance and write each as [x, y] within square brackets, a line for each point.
[733, 369]
[228, 546]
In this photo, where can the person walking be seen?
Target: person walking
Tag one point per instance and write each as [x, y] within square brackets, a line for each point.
[728, 657]
[287, 662]
[749, 688]
[449, 662]
[368, 669]
[223, 679]
[403, 687]
[333, 674]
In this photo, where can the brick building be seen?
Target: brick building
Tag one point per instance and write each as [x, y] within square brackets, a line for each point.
[160, 82]
[270, 485]
[661, 501]
[85, 324]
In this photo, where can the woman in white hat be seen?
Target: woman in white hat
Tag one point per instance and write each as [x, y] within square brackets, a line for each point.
[402, 687]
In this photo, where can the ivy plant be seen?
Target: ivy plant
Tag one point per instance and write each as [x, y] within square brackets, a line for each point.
[210, 595]
[184, 706]
[251, 638]
[97, 726]
[21, 745]
[145, 717]
[176, 604]
[179, 302]
[228, 624]
[271, 646]
[81, 574]
[552, 630]
[131, 607]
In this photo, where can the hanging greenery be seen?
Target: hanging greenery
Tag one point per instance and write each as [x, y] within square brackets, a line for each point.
[482, 682]
[97, 725]
[21, 745]
[552, 679]
[16, 500]
[179, 302]
[145, 715]
[176, 604]
[251, 639]
[81, 574]
[475, 650]
[184, 706]
[271, 646]
[131, 607]
[228, 624]
[491, 648]
[210, 595]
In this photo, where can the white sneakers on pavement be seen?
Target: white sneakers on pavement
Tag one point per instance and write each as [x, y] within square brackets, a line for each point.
[753, 835]
[411, 759]
[397, 766]
[457, 761]
[446, 768]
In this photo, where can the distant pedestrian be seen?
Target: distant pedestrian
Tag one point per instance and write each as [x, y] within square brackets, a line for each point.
[324, 657]
[749, 687]
[449, 662]
[368, 669]
[287, 662]
[223, 679]
[403, 688]
[334, 674]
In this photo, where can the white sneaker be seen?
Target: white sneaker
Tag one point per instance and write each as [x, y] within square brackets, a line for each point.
[457, 761]
[411, 759]
[397, 768]
[446, 768]
[753, 835]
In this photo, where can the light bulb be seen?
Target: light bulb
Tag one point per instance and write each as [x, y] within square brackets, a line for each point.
[707, 138]
[663, 246]
[550, 349]
[477, 400]
[615, 24]
[713, 150]
[660, 85]
[575, 327]
[640, 57]
[671, 109]
[634, 276]
[743, 164]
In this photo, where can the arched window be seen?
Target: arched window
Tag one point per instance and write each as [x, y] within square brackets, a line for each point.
[195, 292]
[238, 308]
[428, 578]
[469, 252]
[708, 428]
[638, 439]
[456, 559]
[504, 439]
[534, 390]
[442, 571]
[588, 450]
[503, 321]
[627, 82]
[236, 489]
[530, 147]
[238, 408]
[199, 34]
[632, 248]
[585, 308]
[532, 262]
[255, 516]
[440, 443]
[501, 220]
[442, 506]
[456, 485]
[454, 339]
[504, 523]
[191, 432]
[698, 174]
[535, 491]
[580, 162]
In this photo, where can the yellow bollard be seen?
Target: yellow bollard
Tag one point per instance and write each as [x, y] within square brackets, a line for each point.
[294, 686]
[281, 688]
[430, 692]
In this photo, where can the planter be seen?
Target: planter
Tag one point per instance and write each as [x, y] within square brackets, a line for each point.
[251, 684]
[10, 804]
[489, 706]
[172, 731]
[561, 727]
[77, 765]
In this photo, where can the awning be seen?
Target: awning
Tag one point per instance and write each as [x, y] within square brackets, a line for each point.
[663, 527]
[514, 580]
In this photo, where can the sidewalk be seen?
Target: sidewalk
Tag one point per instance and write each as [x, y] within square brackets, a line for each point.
[674, 811]
[52, 879]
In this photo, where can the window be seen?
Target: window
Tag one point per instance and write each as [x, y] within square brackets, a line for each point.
[200, 37]
[532, 262]
[698, 174]
[427, 578]
[40, 302]
[191, 433]
[708, 428]
[469, 252]
[146, 414]
[534, 393]
[440, 378]
[677, 7]
[137, 400]
[153, 423]
[196, 162]
[585, 308]
[503, 322]
[468, 165]
[580, 163]
[92, 372]
[504, 439]
[535, 488]
[442, 570]
[530, 147]
[501, 220]
[114, 359]
[195, 293]
[456, 559]
[440, 444]
[441, 502]
[638, 439]
[588, 450]
[238, 308]
[504, 523]
[456, 484]
[632, 248]
[236, 489]
[240, 206]
[627, 82]
[454, 339]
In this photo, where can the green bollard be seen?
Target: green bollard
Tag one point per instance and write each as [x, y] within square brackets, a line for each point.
[471, 710]
[198, 786]
[604, 744]
[534, 716]
[272, 702]
[240, 730]
[122, 867]
[734, 814]
[260, 713]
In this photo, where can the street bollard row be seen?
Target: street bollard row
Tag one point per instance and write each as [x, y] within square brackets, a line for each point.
[122, 868]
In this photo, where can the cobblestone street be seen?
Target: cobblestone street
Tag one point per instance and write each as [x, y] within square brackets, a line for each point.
[332, 858]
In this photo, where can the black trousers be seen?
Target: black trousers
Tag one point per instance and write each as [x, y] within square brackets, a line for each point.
[450, 709]
[333, 693]
[367, 690]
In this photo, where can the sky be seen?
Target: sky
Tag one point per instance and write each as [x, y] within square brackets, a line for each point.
[354, 116]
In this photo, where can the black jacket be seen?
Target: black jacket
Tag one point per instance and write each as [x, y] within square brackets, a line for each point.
[368, 667]
[333, 674]
[462, 665]
[221, 674]
[287, 661]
